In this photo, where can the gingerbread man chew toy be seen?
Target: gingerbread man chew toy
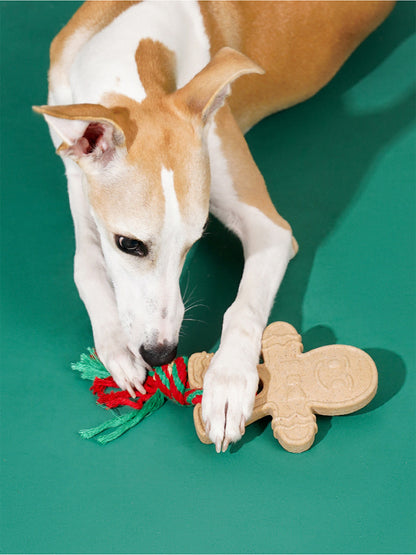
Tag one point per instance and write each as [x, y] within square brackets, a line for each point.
[294, 386]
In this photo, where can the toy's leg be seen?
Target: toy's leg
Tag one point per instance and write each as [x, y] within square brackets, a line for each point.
[240, 200]
[96, 291]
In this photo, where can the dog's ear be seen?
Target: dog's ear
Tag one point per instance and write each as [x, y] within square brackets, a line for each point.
[86, 130]
[207, 91]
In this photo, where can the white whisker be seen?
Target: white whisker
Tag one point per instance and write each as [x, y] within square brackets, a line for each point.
[194, 320]
[195, 305]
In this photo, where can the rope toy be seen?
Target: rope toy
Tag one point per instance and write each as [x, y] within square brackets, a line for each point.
[162, 383]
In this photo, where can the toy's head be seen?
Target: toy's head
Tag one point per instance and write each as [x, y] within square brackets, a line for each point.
[280, 340]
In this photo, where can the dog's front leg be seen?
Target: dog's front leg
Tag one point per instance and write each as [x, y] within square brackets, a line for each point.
[97, 292]
[240, 200]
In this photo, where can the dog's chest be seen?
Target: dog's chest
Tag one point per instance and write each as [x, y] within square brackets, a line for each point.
[106, 63]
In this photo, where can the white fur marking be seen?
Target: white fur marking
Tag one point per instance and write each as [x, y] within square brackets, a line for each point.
[106, 63]
[59, 85]
[172, 212]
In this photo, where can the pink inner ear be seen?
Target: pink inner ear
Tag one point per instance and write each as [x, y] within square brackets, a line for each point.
[96, 142]
[93, 137]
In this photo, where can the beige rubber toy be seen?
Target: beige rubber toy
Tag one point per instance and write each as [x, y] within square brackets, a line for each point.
[294, 386]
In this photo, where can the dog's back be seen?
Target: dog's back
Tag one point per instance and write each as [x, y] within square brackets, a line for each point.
[300, 45]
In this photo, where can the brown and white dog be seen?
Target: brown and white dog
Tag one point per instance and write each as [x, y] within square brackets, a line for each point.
[137, 110]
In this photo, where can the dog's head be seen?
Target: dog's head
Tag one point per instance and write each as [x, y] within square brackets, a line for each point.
[147, 176]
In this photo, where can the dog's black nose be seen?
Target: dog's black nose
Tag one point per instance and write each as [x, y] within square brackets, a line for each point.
[158, 355]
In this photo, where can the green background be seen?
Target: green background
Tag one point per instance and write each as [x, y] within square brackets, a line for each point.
[341, 169]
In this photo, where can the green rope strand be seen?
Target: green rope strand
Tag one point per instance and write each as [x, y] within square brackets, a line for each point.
[112, 423]
[89, 366]
[123, 423]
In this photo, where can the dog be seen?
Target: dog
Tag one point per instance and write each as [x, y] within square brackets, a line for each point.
[140, 110]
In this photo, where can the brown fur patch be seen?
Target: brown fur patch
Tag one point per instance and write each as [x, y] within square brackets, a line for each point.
[124, 204]
[301, 45]
[165, 138]
[156, 65]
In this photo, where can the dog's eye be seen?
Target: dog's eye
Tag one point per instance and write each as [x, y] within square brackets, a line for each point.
[131, 246]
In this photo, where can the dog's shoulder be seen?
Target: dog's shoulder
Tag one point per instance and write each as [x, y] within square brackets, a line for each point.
[88, 20]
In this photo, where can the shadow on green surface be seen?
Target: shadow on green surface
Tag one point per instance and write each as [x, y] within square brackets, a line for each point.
[391, 377]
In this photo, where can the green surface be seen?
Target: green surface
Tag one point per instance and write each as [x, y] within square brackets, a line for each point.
[341, 168]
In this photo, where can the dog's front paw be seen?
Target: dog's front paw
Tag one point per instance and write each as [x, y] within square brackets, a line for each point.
[227, 403]
[127, 371]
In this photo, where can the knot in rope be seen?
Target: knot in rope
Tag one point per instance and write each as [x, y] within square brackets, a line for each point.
[163, 382]
[171, 380]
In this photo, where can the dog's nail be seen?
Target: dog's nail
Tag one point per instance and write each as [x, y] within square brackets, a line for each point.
[218, 445]
[242, 425]
[131, 391]
[225, 445]
[140, 387]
